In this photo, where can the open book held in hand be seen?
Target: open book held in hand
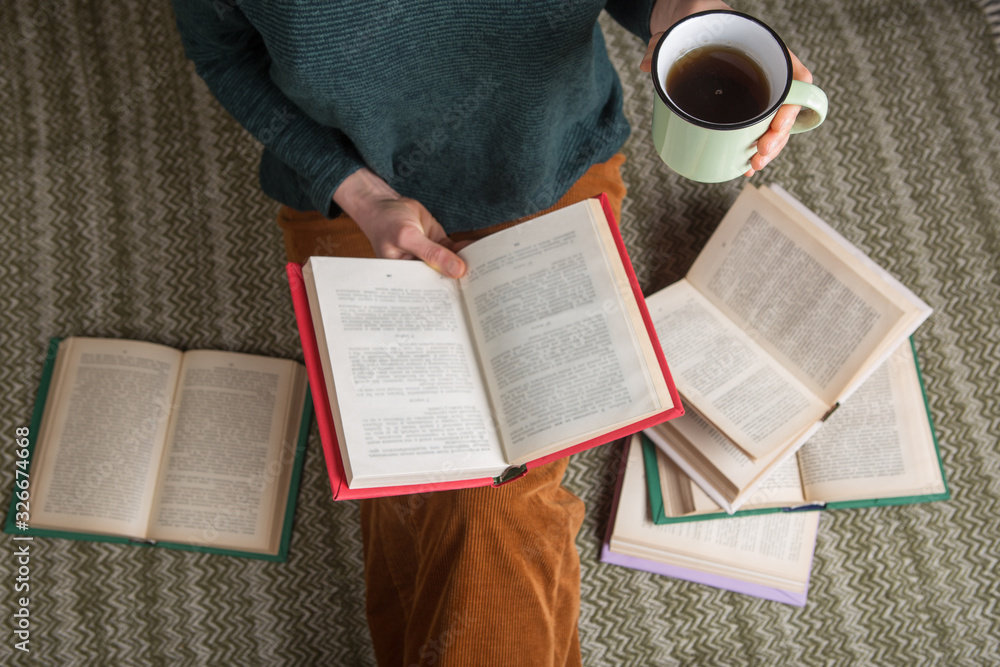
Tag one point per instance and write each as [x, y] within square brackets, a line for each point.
[422, 382]
[777, 323]
[135, 442]
[878, 449]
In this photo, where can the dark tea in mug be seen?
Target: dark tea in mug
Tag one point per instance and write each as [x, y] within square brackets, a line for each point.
[718, 84]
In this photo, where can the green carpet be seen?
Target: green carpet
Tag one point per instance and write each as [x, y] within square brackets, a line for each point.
[129, 208]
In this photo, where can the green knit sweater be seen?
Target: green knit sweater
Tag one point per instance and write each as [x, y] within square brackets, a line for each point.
[483, 110]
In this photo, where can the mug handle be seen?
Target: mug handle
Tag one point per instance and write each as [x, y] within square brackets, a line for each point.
[813, 102]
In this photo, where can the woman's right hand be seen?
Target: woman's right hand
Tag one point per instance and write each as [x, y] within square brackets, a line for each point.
[397, 227]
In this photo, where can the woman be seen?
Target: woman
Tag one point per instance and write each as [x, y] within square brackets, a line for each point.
[403, 130]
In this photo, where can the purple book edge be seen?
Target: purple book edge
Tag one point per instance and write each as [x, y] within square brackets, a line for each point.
[715, 580]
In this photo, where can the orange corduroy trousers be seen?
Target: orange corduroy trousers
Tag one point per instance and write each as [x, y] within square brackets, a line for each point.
[485, 576]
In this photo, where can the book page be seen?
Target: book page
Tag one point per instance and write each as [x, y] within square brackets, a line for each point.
[230, 449]
[772, 481]
[770, 549]
[819, 228]
[878, 444]
[781, 487]
[106, 414]
[676, 489]
[563, 346]
[728, 377]
[393, 334]
[821, 313]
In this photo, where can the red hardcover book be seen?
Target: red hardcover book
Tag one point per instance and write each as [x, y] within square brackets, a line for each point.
[423, 383]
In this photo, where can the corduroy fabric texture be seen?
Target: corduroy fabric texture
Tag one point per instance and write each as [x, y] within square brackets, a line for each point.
[484, 112]
[486, 576]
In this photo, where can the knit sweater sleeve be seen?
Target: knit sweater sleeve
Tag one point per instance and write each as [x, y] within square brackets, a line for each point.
[230, 56]
[633, 15]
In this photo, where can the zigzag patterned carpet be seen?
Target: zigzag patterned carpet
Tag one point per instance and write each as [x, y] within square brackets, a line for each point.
[130, 208]
[992, 10]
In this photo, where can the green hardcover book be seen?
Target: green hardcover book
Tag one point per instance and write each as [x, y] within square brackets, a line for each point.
[879, 448]
[138, 443]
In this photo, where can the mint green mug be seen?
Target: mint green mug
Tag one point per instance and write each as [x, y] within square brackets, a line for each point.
[717, 147]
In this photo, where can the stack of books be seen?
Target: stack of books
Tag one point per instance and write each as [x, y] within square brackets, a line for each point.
[791, 350]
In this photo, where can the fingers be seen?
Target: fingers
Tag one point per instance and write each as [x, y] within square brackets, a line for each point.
[422, 237]
[799, 71]
[401, 228]
[774, 140]
[413, 241]
[781, 125]
[770, 144]
[646, 64]
[767, 152]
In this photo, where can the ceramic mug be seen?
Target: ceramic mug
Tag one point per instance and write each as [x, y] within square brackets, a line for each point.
[712, 152]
